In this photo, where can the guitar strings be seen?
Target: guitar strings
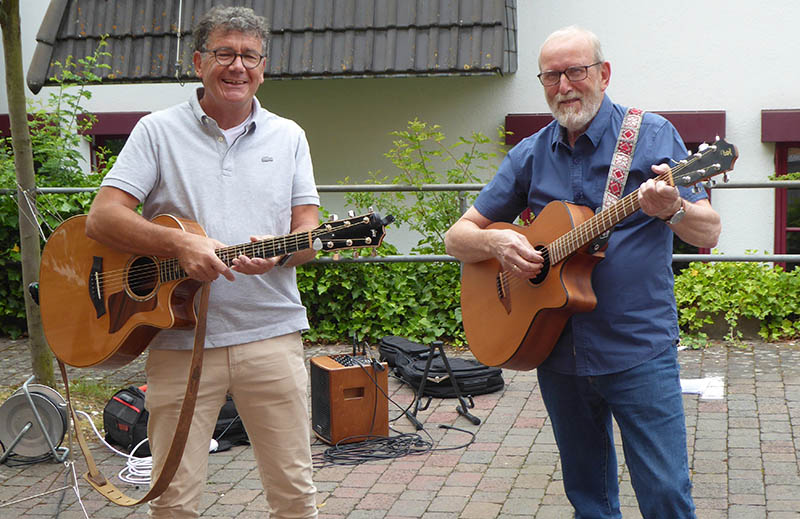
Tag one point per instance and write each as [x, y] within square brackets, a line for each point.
[147, 273]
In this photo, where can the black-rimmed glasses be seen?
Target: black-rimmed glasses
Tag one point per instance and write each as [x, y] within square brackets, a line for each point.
[576, 73]
[226, 57]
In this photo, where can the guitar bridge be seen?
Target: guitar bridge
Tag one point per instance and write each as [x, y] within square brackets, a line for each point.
[96, 287]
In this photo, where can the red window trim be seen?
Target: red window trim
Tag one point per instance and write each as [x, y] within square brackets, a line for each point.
[693, 126]
[783, 128]
[108, 123]
[780, 126]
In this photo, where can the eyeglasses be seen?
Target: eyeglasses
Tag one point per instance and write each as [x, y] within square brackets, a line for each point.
[576, 73]
[226, 57]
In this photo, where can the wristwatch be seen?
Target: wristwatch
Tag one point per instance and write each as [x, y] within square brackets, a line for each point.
[677, 217]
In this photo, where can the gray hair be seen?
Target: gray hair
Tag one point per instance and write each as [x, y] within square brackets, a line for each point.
[574, 30]
[230, 19]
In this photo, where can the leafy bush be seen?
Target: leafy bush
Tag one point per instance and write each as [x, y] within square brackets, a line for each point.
[739, 290]
[422, 157]
[415, 300]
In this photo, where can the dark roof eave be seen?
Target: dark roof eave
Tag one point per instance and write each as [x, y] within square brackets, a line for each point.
[45, 38]
[284, 77]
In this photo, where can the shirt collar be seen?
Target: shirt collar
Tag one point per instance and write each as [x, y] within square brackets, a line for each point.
[594, 132]
[200, 114]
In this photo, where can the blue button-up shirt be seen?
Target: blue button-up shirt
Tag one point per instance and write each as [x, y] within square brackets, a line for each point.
[635, 318]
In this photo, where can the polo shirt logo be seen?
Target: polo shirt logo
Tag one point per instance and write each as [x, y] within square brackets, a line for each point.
[266, 158]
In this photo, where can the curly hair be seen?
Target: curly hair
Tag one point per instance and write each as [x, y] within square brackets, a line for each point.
[230, 19]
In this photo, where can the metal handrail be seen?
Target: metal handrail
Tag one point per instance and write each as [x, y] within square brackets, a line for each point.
[344, 188]
[430, 258]
[676, 258]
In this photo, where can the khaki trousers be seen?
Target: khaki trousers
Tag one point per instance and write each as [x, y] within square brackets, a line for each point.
[268, 381]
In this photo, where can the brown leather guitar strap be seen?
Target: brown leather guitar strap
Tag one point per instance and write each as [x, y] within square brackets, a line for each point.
[103, 485]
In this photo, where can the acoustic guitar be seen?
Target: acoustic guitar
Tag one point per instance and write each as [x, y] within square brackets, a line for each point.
[515, 323]
[102, 307]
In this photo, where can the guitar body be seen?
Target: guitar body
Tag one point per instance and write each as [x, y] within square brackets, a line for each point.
[107, 324]
[517, 326]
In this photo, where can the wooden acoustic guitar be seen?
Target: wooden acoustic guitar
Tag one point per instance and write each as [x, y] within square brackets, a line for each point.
[102, 307]
[515, 323]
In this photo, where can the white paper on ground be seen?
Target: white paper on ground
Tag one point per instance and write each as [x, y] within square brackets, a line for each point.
[711, 388]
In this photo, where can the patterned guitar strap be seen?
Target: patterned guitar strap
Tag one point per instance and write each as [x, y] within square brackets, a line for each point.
[619, 168]
[96, 479]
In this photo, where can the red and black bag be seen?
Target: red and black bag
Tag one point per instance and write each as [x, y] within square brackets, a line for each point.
[125, 422]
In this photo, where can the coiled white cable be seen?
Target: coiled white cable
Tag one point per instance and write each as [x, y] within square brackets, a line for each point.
[136, 470]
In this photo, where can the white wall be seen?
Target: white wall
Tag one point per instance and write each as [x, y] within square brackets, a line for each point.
[736, 55]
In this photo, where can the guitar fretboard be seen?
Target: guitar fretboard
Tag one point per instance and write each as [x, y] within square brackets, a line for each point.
[170, 269]
[565, 245]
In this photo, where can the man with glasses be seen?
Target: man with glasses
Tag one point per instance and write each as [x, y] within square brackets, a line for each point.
[243, 174]
[620, 359]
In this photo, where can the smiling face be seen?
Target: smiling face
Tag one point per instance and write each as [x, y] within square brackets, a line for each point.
[229, 90]
[574, 103]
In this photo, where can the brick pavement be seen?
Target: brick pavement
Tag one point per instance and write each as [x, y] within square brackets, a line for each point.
[743, 453]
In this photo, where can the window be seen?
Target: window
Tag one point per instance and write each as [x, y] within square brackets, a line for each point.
[787, 202]
[110, 132]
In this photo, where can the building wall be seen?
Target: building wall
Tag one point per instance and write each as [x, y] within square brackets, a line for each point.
[737, 56]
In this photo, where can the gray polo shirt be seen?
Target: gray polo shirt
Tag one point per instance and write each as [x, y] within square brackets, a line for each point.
[177, 161]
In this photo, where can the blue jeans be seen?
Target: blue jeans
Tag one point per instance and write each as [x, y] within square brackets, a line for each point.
[647, 404]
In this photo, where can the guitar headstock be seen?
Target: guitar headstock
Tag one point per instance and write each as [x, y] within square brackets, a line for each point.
[354, 232]
[709, 161]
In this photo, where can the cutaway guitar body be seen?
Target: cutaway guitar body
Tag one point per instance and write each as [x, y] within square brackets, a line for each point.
[514, 323]
[102, 307]
[109, 320]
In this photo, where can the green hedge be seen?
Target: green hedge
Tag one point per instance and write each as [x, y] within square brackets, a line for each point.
[739, 290]
[415, 300]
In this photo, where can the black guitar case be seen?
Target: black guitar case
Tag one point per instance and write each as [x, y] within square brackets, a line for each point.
[408, 358]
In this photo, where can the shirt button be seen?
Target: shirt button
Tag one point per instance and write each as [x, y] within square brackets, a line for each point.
[220, 139]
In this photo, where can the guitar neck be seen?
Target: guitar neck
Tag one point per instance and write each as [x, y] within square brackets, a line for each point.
[605, 220]
[170, 269]
[583, 234]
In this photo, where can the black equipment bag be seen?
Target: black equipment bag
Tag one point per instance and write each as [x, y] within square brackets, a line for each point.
[125, 422]
[229, 430]
[392, 345]
[410, 358]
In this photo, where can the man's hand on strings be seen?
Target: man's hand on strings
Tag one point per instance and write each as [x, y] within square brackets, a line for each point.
[254, 266]
[516, 254]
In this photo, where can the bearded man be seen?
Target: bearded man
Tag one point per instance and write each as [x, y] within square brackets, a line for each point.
[620, 359]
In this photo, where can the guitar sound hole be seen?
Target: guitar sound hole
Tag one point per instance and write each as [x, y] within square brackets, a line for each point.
[545, 266]
[142, 277]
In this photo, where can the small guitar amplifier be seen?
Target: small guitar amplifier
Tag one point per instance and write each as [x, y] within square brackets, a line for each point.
[348, 399]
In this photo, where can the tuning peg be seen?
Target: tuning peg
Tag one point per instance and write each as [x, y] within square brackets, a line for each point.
[356, 253]
[333, 217]
[351, 213]
[373, 252]
[695, 189]
[370, 209]
[336, 256]
[710, 183]
[703, 146]
[725, 177]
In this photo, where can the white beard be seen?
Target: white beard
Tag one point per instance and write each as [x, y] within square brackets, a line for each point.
[576, 120]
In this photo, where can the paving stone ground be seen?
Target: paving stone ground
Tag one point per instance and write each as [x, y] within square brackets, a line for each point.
[743, 453]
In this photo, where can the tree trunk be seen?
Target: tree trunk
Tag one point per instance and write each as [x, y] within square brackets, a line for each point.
[41, 357]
